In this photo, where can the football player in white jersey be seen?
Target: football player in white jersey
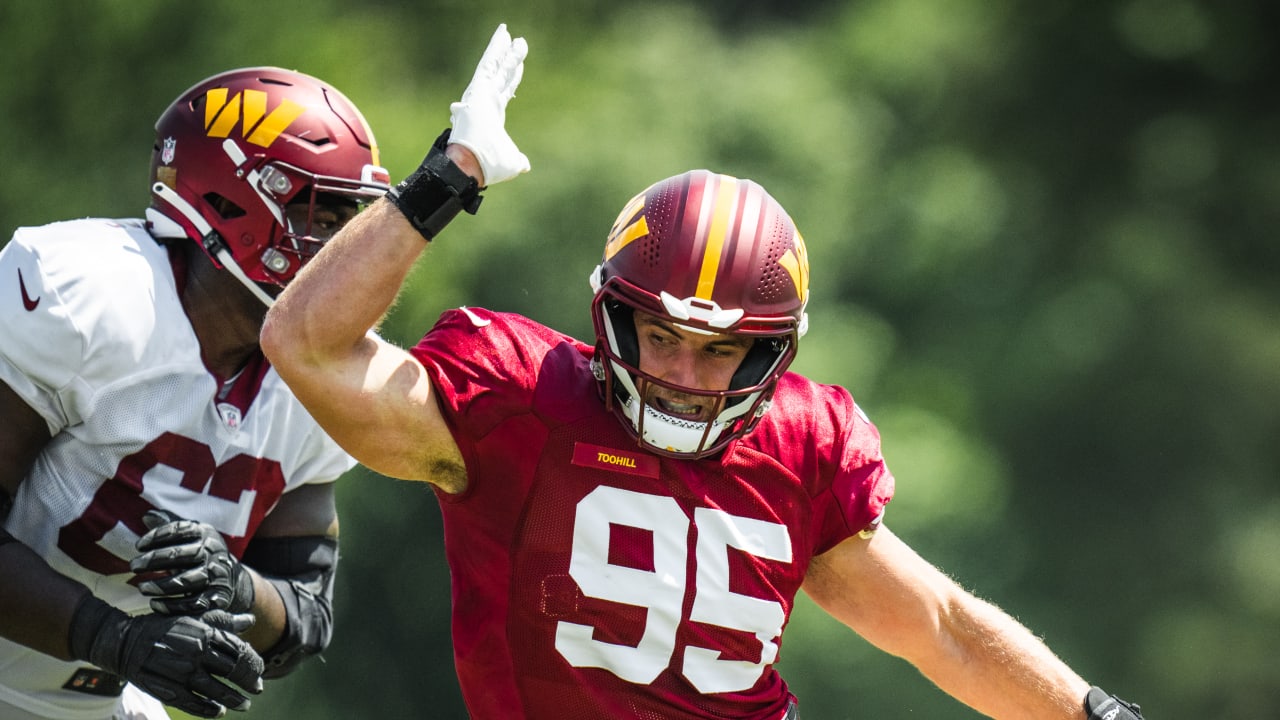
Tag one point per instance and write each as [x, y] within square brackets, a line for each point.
[169, 532]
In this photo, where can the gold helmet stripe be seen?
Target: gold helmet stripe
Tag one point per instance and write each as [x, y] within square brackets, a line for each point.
[719, 207]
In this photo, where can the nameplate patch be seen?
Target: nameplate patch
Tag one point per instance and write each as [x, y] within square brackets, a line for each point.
[603, 458]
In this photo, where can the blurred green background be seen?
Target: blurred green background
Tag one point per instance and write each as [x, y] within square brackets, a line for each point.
[1042, 236]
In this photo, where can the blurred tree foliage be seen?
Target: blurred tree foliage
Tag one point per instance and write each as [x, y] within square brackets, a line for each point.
[1042, 240]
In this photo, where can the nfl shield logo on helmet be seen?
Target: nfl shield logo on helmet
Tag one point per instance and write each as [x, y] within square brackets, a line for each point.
[166, 154]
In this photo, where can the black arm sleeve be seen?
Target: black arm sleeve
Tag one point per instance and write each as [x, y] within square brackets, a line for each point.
[302, 570]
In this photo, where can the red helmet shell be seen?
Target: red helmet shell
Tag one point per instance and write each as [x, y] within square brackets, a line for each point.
[240, 146]
[722, 246]
[714, 253]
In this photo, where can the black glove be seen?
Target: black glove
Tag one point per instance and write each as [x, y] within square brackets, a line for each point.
[1102, 705]
[177, 660]
[196, 571]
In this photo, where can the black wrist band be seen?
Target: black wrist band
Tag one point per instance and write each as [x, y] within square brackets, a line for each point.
[436, 192]
[1101, 704]
[90, 615]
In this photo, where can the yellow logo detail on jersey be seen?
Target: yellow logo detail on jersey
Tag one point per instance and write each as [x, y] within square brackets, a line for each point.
[249, 109]
[603, 458]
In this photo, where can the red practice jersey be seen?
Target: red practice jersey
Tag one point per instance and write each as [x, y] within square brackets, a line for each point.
[593, 579]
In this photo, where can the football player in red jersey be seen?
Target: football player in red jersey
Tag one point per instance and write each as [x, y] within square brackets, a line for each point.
[628, 522]
[146, 446]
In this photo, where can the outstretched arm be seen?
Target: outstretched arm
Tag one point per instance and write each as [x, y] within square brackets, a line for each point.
[972, 650]
[372, 397]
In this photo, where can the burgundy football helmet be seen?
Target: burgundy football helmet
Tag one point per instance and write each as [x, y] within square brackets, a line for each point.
[236, 149]
[715, 254]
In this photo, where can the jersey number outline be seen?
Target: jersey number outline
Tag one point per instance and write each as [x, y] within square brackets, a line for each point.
[120, 501]
[661, 590]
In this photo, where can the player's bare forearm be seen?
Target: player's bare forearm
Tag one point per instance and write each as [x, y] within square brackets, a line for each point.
[317, 333]
[370, 396]
[269, 616]
[322, 317]
[994, 664]
[341, 294]
[972, 650]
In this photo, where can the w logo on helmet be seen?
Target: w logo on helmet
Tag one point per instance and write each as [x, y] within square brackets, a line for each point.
[630, 225]
[260, 128]
[796, 262]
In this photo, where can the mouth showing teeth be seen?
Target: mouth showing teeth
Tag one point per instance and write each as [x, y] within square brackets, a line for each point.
[687, 411]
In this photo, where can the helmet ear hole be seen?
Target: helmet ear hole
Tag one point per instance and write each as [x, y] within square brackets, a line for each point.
[226, 209]
[622, 319]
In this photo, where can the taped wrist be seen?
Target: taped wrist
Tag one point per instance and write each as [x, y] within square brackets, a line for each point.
[301, 569]
[433, 195]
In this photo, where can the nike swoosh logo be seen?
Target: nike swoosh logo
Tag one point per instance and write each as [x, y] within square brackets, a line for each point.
[475, 319]
[27, 302]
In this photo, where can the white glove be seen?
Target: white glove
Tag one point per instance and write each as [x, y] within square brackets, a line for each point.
[479, 118]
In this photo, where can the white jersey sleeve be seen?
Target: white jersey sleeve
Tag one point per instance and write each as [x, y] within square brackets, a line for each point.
[56, 319]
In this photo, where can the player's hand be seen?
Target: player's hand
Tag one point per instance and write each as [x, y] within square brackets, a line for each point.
[1103, 706]
[479, 118]
[188, 568]
[181, 661]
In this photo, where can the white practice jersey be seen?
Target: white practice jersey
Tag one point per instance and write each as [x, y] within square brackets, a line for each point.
[94, 337]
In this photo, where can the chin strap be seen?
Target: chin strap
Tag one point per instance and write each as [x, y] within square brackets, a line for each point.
[210, 240]
[214, 243]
